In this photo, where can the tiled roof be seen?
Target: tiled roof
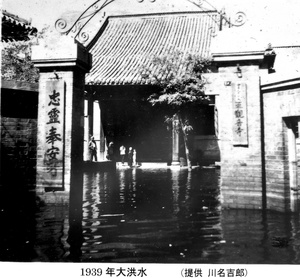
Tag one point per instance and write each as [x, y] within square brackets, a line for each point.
[15, 19]
[15, 28]
[126, 43]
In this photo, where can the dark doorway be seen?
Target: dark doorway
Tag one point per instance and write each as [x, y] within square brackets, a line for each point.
[129, 119]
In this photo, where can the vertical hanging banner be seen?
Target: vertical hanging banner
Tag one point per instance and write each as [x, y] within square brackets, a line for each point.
[240, 119]
[54, 133]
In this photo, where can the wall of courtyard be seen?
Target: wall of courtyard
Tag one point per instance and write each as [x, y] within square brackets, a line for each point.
[18, 137]
[279, 107]
[241, 174]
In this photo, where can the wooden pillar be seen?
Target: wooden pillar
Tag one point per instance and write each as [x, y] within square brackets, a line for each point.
[86, 153]
[298, 155]
[175, 143]
[63, 64]
[102, 147]
[97, 126]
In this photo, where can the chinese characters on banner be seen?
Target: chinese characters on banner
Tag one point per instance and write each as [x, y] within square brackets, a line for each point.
[54, 131]
[240, 120]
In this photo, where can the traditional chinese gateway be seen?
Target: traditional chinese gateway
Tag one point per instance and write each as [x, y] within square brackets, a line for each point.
[90, 83]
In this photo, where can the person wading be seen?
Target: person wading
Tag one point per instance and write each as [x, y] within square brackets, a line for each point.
[93, 149]
[130, 157]
[122, 153]
[110, 155]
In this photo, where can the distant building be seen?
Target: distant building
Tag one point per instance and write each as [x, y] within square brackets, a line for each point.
[121, 48]
[15, 28]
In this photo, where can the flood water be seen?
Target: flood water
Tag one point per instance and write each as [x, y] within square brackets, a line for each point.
[148, 216]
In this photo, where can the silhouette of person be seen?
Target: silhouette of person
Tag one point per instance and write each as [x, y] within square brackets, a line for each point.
[122, 153]
[130, 156]
[134, 158]
[110, 154]
[93, 149]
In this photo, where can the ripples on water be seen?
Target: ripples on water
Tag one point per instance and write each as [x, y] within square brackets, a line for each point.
[150, 216]
[153, 216]
[175, 216]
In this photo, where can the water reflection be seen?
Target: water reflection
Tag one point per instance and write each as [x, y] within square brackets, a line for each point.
[147, 215]
[75, 237]
[164, 215]
[151, 216]
[261, 237]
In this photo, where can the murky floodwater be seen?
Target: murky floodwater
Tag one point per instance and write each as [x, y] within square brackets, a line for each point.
[150, 216]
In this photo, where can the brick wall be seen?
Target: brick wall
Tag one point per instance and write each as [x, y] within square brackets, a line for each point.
[18, 134]
[241, 175]
[18, 151]
[279, 107]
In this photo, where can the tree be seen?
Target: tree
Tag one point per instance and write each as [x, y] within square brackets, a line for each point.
[182, 88]
[16, 62]
[16, 59]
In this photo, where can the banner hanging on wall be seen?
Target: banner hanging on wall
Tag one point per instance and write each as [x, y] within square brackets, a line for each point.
[240, 119]
[54, 133]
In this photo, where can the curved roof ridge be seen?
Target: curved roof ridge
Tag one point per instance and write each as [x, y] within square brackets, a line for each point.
[162, 13]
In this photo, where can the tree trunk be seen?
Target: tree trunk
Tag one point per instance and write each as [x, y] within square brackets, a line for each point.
[185, 139]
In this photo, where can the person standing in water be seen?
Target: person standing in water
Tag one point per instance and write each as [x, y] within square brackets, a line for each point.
[93, 149]
[130, 157]
[122, 153]
[110, 151]
[134, 158]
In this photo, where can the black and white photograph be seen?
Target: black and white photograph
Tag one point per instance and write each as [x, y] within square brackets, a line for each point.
[150, 138]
